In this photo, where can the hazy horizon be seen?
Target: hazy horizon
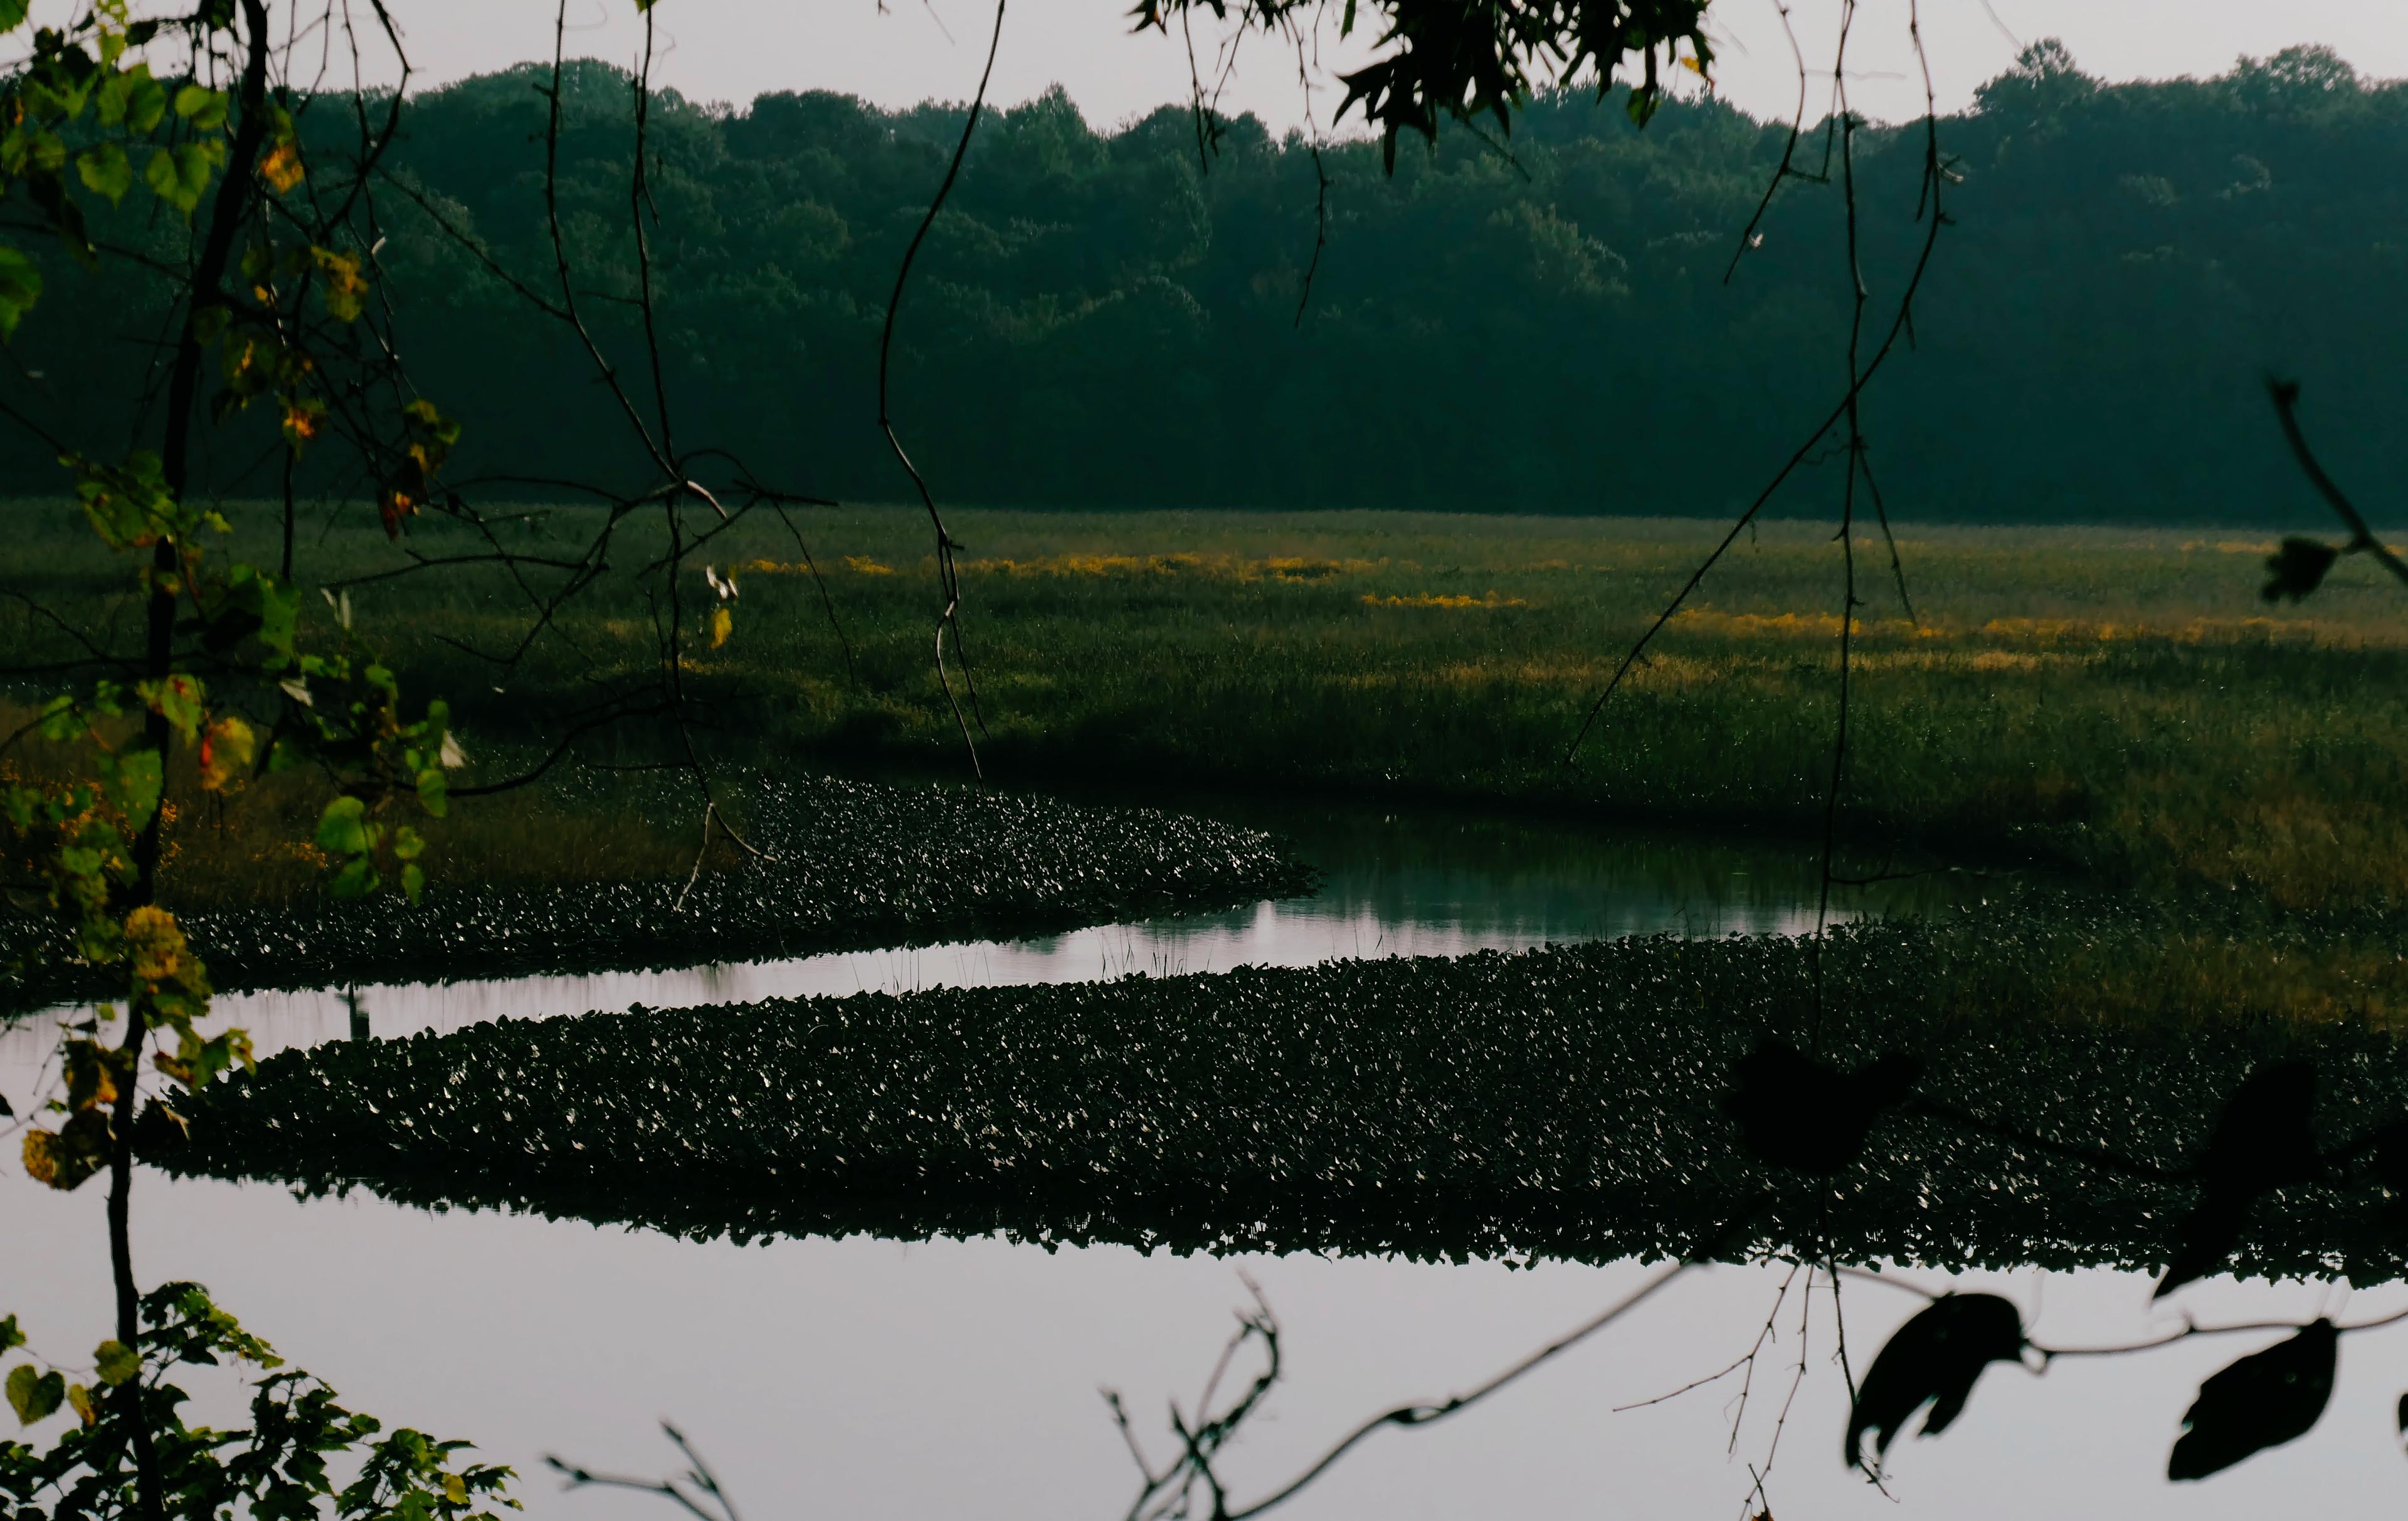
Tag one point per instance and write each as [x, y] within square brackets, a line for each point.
[914, 50]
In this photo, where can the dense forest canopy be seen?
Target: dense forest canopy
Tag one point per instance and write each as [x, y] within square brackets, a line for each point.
[1109, 319]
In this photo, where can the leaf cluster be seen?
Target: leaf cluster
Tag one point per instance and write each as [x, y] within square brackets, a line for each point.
[283, 1465]
[1453, 60]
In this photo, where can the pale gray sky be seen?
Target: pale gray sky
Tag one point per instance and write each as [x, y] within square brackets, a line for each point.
[732, 50]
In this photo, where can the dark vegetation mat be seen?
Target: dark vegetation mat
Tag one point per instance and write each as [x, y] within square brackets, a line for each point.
[857, 865]
[1560, 1104]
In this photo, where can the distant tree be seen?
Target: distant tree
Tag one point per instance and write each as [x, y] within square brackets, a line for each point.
[2044, 82]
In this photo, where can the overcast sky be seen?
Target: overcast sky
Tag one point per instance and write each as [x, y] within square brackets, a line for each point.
[733, 50]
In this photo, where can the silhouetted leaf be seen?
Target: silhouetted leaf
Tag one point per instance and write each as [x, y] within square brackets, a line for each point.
[2263, 1139]
[2297, 568]
[1798, 1112]
[1933, 1359]
[2265, 1400]
[2209, 1238]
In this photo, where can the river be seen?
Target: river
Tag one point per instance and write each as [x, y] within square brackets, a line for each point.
[865, 1377]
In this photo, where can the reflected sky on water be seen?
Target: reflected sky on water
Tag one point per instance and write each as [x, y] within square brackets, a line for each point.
[866, 1378]
[1394, 883]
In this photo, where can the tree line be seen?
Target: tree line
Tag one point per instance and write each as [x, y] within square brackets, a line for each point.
[1191, 311]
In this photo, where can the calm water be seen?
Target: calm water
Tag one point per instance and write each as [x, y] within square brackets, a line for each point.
[1418, 884]
[867, 1377]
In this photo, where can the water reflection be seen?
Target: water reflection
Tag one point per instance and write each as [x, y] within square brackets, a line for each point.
[1395, 883]
[868, 1378]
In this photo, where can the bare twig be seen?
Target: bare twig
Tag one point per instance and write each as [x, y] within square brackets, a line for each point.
[948, 574]
[2286, 395]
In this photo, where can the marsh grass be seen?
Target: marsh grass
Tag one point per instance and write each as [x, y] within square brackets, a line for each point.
[254, 845]
[2118, 700]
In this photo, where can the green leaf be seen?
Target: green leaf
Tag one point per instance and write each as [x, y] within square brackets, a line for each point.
[34, 1396]
[358, 878]
[133, 780]
[181, 700]
[342, 829]
[105, 169]
[11, 1337]
[432, 792]
[278, 606]
[159, 174]
[21, 286]
[12, 14]
[203, 107]
[413, 881]
[146, 101]
[179, 174]
[116, 1362]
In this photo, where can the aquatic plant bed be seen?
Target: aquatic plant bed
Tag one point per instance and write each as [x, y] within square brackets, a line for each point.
[854, 865]
[1563, 1103]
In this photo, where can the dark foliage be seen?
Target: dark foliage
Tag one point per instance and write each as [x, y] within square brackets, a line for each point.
[1100, 321]
[2297, 568]
[1932, 1359]
[1794, 1112]
[2265, 1400]
[1452, 59]
[1567, 1103]
[2264, 1139]
[857, 865]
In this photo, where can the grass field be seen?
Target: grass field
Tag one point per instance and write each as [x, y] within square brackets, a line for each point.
[2120, 701]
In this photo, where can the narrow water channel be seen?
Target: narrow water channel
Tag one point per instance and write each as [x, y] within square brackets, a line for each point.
[1394, 883]
[871, 1378]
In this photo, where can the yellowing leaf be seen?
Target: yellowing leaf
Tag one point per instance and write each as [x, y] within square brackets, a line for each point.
[41, 1163]
[116, 1362]
[302, 420]
[156, 943]
[32, 1395]
[227, 750]
[721, 623]
[345, 288]
[282, 167]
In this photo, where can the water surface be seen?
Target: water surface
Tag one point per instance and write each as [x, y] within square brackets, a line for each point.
[1395, 883]
[870, 1378]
